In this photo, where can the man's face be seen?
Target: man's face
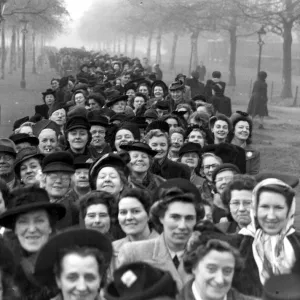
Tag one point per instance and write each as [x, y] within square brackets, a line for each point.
[176, 95]
[98, 135]
[6, 164]
[125, 79]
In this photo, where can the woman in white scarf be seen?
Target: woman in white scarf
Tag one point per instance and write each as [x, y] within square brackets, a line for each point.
[269, 243]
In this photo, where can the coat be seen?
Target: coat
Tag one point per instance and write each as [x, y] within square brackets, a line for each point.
[155, 253]
[170, 169]
[197, 88]
[258, 101]
[221, 104]
[252, 160]
[247, 281]
[42, 110]
[187, 294]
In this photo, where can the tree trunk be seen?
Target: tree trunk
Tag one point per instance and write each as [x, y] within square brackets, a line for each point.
[33, 54]
[173, 54]
[149, 45]
[232, 56]
[287, 61]
[194, 50]
[119, 46]
[3, 50]
[12, 60]
[158, 46]
[19, 48]
[114, 45]
[133, 46]
[126, 45]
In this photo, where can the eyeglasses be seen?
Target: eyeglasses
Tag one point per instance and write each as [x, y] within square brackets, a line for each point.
[237, 204]
[207, 167]
[178, 140]
[63, 178]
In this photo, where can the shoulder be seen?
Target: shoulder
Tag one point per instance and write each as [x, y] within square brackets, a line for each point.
[139, 248]
[251, 152]
[234, 294]
[119, 243]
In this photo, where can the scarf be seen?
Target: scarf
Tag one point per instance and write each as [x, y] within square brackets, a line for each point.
[272, 254]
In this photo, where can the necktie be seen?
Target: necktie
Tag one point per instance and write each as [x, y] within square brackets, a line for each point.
[176, 261]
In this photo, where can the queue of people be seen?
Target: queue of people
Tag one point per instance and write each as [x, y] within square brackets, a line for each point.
[121, 187]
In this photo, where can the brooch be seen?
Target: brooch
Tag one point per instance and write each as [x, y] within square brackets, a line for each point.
[249, 154]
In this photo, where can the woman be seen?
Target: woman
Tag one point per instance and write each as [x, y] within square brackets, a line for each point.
[48, 98]
[118, 104]
[259, 99]
[269, 244]
[32, 220]
[237, 199]
[176, 136]
[127, 132]
[173, 121]
[213, 262]
[159, 91]
[96, 211]
[141, 159]
[28, 166]
[4, 198]
[96, 101]
[175, 215]
[54, 84]
[220, 126]
[80, 98]
[190, 155]
[241, 135]
[196, 134]
[139, 101]
[144, 89]
[75, 262]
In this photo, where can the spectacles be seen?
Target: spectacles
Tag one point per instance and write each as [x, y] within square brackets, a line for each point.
[174, 140]
[226, 178]
[237, 204]
[63, 178]
[207, 167]
[6, 157]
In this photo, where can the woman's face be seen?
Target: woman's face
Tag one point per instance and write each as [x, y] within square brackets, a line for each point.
[158, 92]
[196, 137]
[81, 178]
[27, 130]
[177, 141]
[209, 165]
[33, 230]
[272, 212]
[2, 207]
[172, 123]
[59, 117]
[214, 274]
[29, 170]
[240, 205]
[144, 90]
[94, 105]
[138, 102]
[176, 95]
[132, 216]
[79, 278]
[139, 161]
[242, 130]
[79, 100]
[97, 217]
[159, 144]
[130, 94]
[49, 99]
[191, 159]
[119, 107]
[208, 213]
[220, 129]
[57, 184]
[109, 180]
[78, 139]
[123, 137]
[48, 141]
[54, 84]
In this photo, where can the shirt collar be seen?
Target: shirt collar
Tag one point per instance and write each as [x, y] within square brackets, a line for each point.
[179, 253]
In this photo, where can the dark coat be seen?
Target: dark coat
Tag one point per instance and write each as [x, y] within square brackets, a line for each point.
[221, 104]
[258, 101]
[202, 72]
[171, 169]
[89, 151]
[247, 281]
[42, 110]
[197, 88]
[229, 227]
[252, 160]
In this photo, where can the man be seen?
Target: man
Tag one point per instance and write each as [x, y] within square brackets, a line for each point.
[146, 66]
[197, 87]
[125, 78]
[8, 155]
[201, 69]
[177, 90]
[99, 125]
[81, 176]
[187, 90]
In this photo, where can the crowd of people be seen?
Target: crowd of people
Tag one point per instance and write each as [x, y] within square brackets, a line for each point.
[120, 186]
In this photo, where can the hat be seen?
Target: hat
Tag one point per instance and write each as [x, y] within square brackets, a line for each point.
[77, 122]
[139, 121]
[290, 180]
[107, 160]
[139, 146]
[61, 161]
[133, 128]
[162, 104]
[25, 154]
[80, 162]
[190, 147]
[54, 107]
[129, 86]
[47, 256]
[116, 99]
[282, 287]
[48, 92]
[19, 138]
[185, 185]
[77, 111]
[177, 85]
[95, 117]
[180, 75]
[158, 124]
[8, 146]
[221, 117]
[139, 280]
[19, 122]
[151, 114]
[161, 84]
[45, 124]
[30, 199]
[111, 93]
[118, 117]
[224, 167]
[63, 81]
[199, 97]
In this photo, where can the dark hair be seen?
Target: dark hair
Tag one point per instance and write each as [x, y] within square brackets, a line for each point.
[5, 192]
[141, 195]
[98, 98]
[138, 94]
[216, 74]
[96, 197]
[239, 182]
[202, 247]
[146, 85]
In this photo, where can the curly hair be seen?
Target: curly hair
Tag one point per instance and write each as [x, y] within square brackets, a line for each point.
[156, 133]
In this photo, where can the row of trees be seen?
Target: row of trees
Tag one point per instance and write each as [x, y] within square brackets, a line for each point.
[113, 21]
[37, 19]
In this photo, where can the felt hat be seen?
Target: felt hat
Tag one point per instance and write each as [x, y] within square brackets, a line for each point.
[30, 199]
[95, 117]
[81, 162]
[116, 99]
[199, 97]
[190, 147]
[139, 146]
[151, 114]
[19, 122]
[77, 122]
[19, 138]
[48, 92]
[25, 154]
[73, 238]
[111, 93]
[60, 161]
[177, 85]
[8, 146]
[290, 180]
[161, 84]
[224, 167]
[132, 127]
[158, 124]
[45, 124]
[139, 280]
[107, 160]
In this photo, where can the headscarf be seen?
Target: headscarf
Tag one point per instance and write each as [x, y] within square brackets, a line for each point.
[272, 254]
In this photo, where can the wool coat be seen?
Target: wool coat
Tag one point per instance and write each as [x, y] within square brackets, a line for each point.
[258, 101]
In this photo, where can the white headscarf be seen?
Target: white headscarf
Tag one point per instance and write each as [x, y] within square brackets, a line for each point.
[272, 254]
